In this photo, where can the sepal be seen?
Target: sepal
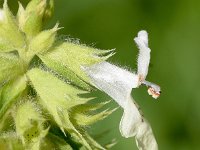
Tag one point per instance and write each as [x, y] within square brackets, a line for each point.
[30, 127]
[10, 36]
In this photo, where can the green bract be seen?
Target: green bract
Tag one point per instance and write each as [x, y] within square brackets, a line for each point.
[44, 93]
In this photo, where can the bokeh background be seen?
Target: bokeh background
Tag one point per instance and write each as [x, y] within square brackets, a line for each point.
[174, 32]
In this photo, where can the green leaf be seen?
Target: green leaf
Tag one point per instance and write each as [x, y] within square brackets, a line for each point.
[42, 42]
[10, 67]
[65, 72]
[37, 11]
[92, 142]
[10, 141]
[111, 144]
[88, 107]
[68, 126]
[9, 31]
[33, 5]
[87, 114]
[5, 46]
[30, 127]
[6, 123]
[74, 57]
[21, 16]
[83, 119]
[34, 14]
[57, 97]
[49, 10]
[55, 91]
[32, 26]
[10, 92]
[52, 141]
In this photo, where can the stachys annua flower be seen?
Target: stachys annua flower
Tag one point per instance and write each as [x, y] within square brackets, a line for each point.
[118, 84]
[45, 85]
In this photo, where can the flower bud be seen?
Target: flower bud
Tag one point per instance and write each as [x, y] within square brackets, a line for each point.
[32, 18]
[10, 36]
[42, 42]
[30, 127]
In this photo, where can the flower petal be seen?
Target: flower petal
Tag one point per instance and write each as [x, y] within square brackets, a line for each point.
[144, 53]
[144, 138]
[130, 119]
[114, 81]
[118, 84]
[133, 124]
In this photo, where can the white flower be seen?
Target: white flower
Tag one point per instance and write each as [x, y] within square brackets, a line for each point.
[118, 84]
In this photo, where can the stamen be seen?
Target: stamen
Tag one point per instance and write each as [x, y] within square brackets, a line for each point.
[153, 89]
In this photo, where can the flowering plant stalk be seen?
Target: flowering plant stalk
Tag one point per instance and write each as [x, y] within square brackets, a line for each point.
[45, 86]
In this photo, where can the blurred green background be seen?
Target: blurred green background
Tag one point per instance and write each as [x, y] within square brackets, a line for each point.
[174, 29]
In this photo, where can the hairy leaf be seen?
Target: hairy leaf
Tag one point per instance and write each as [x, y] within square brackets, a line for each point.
[42, 42]
[10, 141]
[74, 57]
[52, 141]
[65, 72]
[57, 97]
[10, 67]
[10, 92]
[30, 129]
[9, 31]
